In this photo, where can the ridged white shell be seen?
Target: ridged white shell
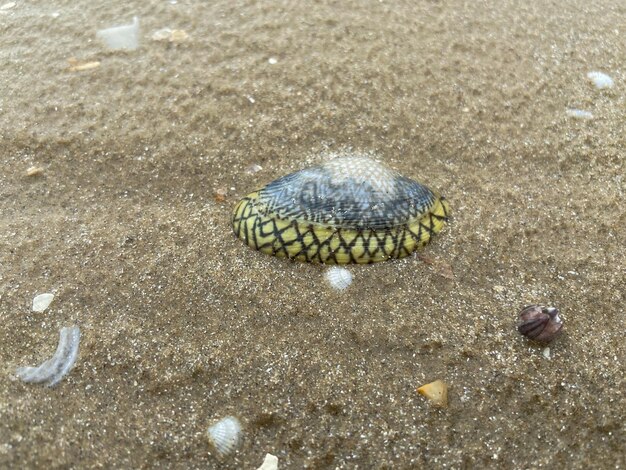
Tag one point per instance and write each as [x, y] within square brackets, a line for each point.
[339, 278]
[600, 80]
[225, 435]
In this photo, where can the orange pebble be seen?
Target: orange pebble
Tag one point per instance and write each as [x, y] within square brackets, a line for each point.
[436, 392]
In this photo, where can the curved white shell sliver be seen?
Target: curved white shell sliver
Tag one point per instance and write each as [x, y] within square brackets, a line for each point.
[225, 435]
[55, 368]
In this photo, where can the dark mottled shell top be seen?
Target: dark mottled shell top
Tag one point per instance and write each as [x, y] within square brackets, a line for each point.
[353, 193]
[350, 209]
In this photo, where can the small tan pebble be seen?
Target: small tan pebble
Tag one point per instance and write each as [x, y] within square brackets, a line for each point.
[499, 289]
[270, 463]
[178, 36]
[162, 34]
[436, 392]
[171, 35]
[76, 66]
[220, 194]
[34, 171]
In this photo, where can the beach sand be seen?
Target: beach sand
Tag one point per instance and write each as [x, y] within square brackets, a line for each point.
[144, 156]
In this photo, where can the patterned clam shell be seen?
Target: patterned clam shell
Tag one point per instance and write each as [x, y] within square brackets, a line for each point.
[347, 210]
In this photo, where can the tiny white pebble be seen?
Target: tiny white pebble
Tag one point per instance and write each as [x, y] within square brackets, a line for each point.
[254, 168]
[251, 99]
[579, 114]
[338, 278]
[162, 34]
[41, 302]
[600, 80]
[546, 353]
[272, 60]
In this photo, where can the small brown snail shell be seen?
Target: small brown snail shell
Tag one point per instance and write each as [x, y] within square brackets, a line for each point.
[540, 323]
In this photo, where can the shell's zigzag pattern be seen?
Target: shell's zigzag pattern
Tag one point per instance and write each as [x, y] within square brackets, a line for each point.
[348, 210]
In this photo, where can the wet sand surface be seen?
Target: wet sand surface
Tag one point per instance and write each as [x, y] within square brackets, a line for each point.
[144, 157]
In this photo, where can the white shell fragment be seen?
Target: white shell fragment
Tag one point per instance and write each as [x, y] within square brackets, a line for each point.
[55, 368]
[338, 278]
[600, 80]
[579, 114]
[225, 435]
[270, 463]
[121, 37]
[42, 301]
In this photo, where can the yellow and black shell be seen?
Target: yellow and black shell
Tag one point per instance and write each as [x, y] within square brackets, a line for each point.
[347, 210]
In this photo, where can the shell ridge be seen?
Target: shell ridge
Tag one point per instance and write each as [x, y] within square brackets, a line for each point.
[323, 244]
[346, 246]
[534, 327]
[243, 221]
[314, 242]
[398, 243]
[417, 236]
[254, 230]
